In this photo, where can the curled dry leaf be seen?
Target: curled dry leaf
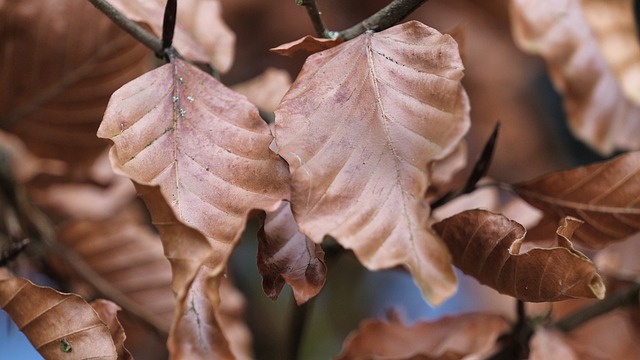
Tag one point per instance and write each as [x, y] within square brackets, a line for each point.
[55, 323]
[61, 60]
[358, 128]
[200, 155]
[287, 255]
[306, 46]
[487, 246]
[267, 89]
[593, 56]
[107, 312]
[606, 196]
[447, 338]
[200, 34]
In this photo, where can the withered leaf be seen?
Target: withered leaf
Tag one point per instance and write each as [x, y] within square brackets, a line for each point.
[287, 255]
[358, 128]
[200, 34]
[550, 345]
[606, 196]
[447, 338]
[487, 246]
[593, 56]
[306, 45]
[107, 311]
[55, 323]
[59, 63]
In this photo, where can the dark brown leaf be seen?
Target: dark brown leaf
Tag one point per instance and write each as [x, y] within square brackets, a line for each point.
[307, 45]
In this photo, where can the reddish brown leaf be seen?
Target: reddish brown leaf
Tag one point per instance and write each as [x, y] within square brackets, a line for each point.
[606, 196]
[487, 246]
[287, 255]
[59, 63]
[306, 46]
[593, 56]
[358, 128]
[447, 338]
[58, 325]
[200, 34]
[107, 311]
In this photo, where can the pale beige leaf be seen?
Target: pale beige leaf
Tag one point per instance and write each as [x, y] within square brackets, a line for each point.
[287, 255]
[592, 52]
[59, 63]
[443, 172]
[620, 260]
[306, 45]
[107, 311]
[58, 325]
[200, 34]
[606, 196]
[487, 246]
[358, 128]
[267, 89]
[463, 336]
[550, 345]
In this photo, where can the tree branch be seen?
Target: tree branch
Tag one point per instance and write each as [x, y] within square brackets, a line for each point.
[383, 19]
[316, 18]
[146, 38]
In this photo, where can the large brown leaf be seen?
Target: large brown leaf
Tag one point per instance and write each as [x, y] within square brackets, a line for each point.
[447, 338]
[358, 128]
[59, 63]
[593, 56]
[606, 196]
[58, 325]
[200, 34]
[206, 149]
[487, 246]
[287, 255]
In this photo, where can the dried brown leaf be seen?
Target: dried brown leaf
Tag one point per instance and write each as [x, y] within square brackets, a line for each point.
[358, 128]
[306, 46]
[59, 63]
[107, 312]
[287, 255]
[593, 56]
[487, 246]
[58, 325]
[606, 196]
[267, 89]
[447, 338]
[200, 34]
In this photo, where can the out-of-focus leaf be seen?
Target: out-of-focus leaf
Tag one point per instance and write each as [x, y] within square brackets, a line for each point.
[287, 255]
[206, 149]
[550, 345]
[107, 312]
[128, 256]
[58, 325]
[358, 138]
[620, 260]
[200, 34]
[606, 196]
[24, 165]
[306, 45]
[267, 89]
[592, 52]
[59, 63]
[487, 246]
[231, 314]
[447, 338]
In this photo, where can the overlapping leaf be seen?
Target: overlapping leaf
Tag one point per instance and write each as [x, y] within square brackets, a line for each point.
[306, 45]
[606, 196]
[200, 34]
[287, 255]
[448, 338]
[107, 311]
[206, 149]
[59, 63]
[593, 56]
[58, 325]
[358, 128]
[487, 246]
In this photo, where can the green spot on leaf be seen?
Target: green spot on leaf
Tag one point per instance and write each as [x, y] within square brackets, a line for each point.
[65, 346]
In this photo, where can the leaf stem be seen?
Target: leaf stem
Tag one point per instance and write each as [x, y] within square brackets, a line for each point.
[383, 19]
[316, 18]
[629, 296]
[146, 38]
[297, 326]
[169, 23]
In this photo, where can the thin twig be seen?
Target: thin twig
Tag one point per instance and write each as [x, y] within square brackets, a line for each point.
[316, 18]
[146, 38]
[383, 19]
[627, 297]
